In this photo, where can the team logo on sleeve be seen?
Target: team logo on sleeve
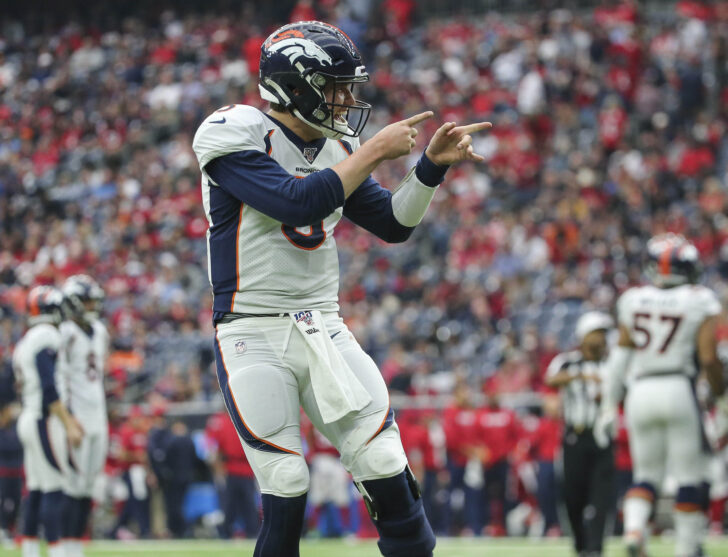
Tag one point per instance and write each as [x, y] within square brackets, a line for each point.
[309, 153]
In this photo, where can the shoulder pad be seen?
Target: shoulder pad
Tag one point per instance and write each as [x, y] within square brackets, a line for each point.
[230, 129]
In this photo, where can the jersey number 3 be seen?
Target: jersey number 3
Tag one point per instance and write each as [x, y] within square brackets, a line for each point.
[311, 241]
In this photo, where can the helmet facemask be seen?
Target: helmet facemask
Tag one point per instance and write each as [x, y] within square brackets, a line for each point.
[306, 98]
[351, 118]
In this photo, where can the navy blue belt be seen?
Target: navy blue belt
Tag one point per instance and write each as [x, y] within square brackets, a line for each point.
[230, 317]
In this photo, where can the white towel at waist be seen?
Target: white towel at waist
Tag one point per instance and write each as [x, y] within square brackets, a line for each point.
[335, 387]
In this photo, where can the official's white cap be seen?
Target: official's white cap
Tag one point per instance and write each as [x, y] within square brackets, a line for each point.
[592, 321]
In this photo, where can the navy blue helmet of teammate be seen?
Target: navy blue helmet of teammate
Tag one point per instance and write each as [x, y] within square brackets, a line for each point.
[84, 295]
[303, 63]
[672, 261]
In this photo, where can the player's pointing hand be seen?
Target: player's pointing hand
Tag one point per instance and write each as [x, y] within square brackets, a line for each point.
[398, 139]
[452, 143]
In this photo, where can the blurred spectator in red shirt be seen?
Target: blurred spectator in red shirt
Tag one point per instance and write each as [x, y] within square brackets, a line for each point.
[423, 439]
[500, 429]
[330, 487]
[239, 492]
[133, 463]
[466, 454]
[302, 11]
[623, 468]
[546, 445]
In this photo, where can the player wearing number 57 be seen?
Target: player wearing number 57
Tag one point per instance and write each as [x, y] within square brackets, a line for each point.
[274, 185]
[667, 336]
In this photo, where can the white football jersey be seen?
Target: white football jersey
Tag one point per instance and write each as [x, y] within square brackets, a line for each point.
[36, 339]
[663, 324]
[81, 366]
[257, 264]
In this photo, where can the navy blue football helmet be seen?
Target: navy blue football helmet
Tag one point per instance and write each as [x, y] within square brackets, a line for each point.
[84, 296]
[672, 261]
[45, 305]
[298, 61]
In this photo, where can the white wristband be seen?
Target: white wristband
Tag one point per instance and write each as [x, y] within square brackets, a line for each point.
[411, 199]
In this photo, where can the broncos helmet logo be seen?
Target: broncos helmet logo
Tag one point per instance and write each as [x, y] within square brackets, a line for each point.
[295, 48]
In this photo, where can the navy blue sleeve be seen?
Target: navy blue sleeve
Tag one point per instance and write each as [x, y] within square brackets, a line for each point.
[370, 206]
[429, 173]
[259, 181]
[45, 361]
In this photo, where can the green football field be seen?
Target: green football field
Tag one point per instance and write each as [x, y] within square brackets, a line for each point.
[512, 547]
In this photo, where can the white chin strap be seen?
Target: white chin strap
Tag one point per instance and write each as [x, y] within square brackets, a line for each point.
[341, 127]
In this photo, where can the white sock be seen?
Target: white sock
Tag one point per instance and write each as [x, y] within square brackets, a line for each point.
[30, 548]
[56, 549]
[636, 516]
[73, 548]
[689, 532]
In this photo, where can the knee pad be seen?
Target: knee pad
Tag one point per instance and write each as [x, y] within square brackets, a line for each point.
[382, 457]
[689, 499]
[395, 506]
[284, 476]
[280, 533]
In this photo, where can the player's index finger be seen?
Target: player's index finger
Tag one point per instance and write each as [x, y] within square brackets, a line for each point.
[417, 118]
[470, 128]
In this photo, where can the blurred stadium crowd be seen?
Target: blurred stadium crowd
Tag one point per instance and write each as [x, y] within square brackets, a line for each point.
[609, 126]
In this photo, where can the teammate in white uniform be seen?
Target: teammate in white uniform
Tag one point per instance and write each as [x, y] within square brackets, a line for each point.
[45, 426]
[664, 327]
[274, 186]
[81, 365]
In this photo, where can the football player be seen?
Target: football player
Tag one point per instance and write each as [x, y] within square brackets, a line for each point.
[666, 337]
[275, 184]
[45, 426]
[81, 365]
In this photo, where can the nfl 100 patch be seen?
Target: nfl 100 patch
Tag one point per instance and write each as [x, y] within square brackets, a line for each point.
[305, 316]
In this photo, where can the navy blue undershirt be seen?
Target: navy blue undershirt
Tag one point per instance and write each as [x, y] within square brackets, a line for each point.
[258, 180]
[45, 361]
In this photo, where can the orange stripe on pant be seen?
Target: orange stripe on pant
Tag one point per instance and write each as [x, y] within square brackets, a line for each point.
[237, 410]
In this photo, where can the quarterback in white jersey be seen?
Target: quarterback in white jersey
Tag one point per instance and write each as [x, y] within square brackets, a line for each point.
[667, 336]
[45, 427]
[274, 186]
[81, 364]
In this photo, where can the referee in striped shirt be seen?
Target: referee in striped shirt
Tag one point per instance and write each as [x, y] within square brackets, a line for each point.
[588, 464]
